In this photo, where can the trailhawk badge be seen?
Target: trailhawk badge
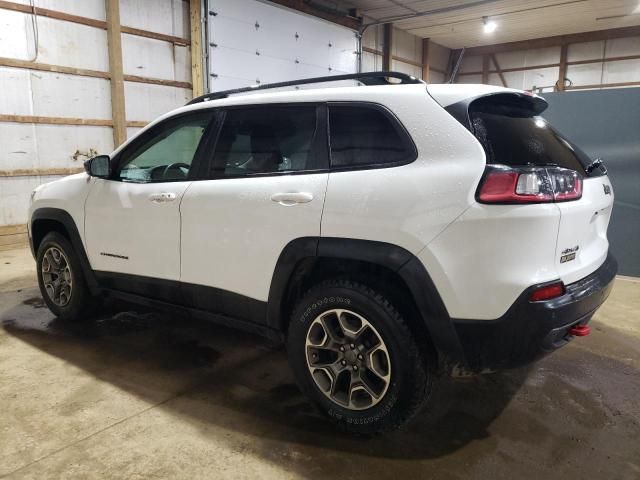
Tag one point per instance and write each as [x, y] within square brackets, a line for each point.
[569, 254]
[607, 189]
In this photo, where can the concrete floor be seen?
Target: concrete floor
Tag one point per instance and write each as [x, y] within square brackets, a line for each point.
[135, 395]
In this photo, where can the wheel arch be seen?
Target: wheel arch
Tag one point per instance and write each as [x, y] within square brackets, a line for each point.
[383, 266]
[45, 220]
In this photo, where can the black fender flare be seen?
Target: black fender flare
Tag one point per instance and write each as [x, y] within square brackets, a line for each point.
[395, 258]
[66, 220]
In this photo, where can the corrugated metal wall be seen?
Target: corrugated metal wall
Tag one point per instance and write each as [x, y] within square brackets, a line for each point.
[586, 66]
[30, 152]
[406, 52]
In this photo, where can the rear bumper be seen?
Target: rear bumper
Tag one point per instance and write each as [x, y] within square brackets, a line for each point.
[530, 330]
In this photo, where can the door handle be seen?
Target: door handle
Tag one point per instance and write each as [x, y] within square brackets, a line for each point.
[162, 197]
[292, 198]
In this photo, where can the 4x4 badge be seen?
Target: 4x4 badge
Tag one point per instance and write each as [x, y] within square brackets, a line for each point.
[607, 189]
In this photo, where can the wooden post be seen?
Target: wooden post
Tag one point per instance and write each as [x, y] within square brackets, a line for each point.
[197, 78]
[500, 74]
[115, 68]
[425, 59]
[485, 69]
[563, 67]
[387, 51]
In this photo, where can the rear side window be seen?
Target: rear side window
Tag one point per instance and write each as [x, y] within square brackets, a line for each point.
[367, 135]
[514, 136]
[266, 140]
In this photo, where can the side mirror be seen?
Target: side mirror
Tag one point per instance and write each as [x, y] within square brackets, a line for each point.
[99, 166]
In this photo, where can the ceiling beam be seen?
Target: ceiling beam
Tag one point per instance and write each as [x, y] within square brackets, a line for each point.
[555, 41]
[301, 6]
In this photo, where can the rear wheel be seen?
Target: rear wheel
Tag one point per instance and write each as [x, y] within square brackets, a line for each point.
[354, 356]
[61, 280]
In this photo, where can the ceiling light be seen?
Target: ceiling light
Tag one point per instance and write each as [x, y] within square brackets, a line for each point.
[489, 25]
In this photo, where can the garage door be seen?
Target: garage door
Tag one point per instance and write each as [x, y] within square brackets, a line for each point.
[252, 42]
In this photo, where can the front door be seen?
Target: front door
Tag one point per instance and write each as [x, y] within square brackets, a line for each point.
[132, 220]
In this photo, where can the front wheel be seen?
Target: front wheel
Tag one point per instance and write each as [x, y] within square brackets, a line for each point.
[61, 280]
[354, 356]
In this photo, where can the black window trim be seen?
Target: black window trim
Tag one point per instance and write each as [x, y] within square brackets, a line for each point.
[395, 121]
[195, 172]
[320, 146]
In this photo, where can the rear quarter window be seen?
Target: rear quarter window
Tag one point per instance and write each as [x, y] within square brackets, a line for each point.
[367, 136]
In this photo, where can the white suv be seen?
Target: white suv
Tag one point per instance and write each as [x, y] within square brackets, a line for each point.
[389, 233]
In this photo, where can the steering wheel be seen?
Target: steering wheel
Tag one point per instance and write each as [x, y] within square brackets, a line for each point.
[175, 165]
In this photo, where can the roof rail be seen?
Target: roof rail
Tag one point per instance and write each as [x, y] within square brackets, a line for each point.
[368, 78]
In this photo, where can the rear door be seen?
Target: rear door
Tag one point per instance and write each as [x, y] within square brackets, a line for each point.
[513, 135]
[265, 187]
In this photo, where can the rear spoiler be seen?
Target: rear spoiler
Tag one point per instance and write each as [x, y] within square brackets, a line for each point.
[501, 102]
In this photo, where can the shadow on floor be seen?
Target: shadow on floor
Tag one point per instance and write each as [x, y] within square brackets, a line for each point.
[208, 375]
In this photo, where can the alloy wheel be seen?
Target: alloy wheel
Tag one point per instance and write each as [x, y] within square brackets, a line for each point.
[56, 276]
[348, 359]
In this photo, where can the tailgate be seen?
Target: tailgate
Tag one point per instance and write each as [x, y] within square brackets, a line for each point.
[582, 237]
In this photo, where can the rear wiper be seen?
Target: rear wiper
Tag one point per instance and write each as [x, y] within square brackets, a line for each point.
[597, 163]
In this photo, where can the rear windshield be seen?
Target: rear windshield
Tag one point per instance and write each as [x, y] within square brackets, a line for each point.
[514, 136]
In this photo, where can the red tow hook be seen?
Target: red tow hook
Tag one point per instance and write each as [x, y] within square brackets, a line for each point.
[580, 330]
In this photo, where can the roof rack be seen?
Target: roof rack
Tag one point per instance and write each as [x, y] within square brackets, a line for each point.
[368, 78]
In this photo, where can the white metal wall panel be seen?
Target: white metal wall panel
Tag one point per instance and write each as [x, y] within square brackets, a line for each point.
[162, 16]
[253, 42]
[16, 35]
[85, 8]
[27, 146]
[147, 102]
[32, 92]
[147, 57]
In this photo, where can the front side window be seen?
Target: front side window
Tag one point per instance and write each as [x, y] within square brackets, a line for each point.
[266, 140]
[167, 154]
[366, 135]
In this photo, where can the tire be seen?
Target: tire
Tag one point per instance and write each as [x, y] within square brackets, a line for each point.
[400, 361]
[74, 303]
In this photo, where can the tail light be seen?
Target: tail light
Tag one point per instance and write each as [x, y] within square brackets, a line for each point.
[502, 184]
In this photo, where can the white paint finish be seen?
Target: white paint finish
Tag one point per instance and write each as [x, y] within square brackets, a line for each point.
[16, 35]
[181, 19]
[270, 52]
[15, 85]
[585, 51]
[145, 102]
[152, 15]
[15, 199]
[623, 71]
[148, 233]
[584, 224]
[408, 206]
[543, 77]
[132, 131]
[147, 57]
[588, 74]
[60, 95]
[233, 233]
[471, 64]
[72, 45]
[620, 47]
[57, 144]
[29, 146]
[66, 193]
[485, 259]
[85, 8]
[18, 147]
[436, 77]
[438, 56]
[182, 63]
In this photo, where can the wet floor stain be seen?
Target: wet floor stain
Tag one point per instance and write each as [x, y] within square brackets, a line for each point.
[35, 302]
